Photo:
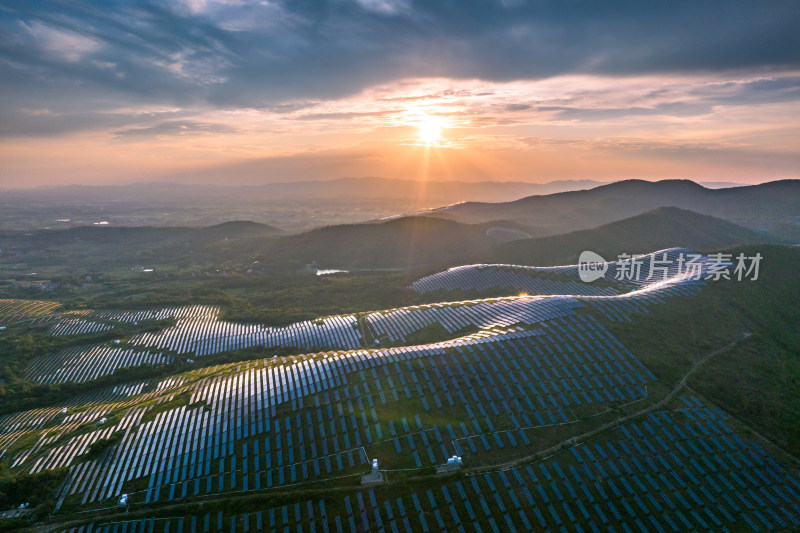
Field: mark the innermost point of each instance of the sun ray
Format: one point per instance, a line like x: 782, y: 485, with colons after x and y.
x: 430, y: 130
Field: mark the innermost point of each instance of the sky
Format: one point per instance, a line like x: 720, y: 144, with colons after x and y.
x: 248, y: 92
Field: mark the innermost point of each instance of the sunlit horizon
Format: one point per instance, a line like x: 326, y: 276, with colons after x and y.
x: 91, y: 99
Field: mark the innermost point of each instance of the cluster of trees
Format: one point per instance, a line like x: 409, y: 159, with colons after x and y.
x: 97, y: 448
x: 282, y: 300
x: 36, y: 490
x: 437, y: 333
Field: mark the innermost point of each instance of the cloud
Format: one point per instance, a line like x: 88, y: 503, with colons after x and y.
x: 240, y: 79
x: 384, y: 7
x: 347, y: 115
x: 229, y: 53
x: 67, y: 45
x: 45, y: 122
x: 171, y: 128
x: 673, y: 109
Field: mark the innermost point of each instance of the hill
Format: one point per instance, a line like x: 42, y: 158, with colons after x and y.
x: 237, y: 229
x: 770, y: 207
x: 398, y: 243
x: 757, y: 381
x: 657, y: 229
x: 540, y: 397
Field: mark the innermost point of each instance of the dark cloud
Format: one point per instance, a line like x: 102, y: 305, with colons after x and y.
x: 90, y: 56
x: 780, y: 89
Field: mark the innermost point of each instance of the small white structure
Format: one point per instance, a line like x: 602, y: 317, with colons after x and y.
x: 374, y: 475
x: 116, y: 341
x: 102, y: 421
x: 63, y: 410
x: 123, y: 500
x: 453, y: 463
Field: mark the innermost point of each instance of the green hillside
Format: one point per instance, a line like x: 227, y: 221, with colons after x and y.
x: 655, y: 230
x: 757, y: 380
x: 399, y: 243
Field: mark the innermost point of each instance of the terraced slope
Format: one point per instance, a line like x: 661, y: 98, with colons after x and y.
x: 671, y: 265
x: 679, y: 469
x: 230, y: 406
x: 557, y: 422
x: 12, y: 311
x: 533, y: 280
x: 74, y: 323
x: 198, y: 332
x: 85, y: 363
x: 208, y: 335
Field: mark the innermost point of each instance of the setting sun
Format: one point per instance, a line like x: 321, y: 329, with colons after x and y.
x: 430, y: 130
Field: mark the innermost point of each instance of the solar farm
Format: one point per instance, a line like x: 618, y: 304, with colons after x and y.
x: 559, y: 426
x: 13, y: 310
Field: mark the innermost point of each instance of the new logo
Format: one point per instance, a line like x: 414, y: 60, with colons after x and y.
x: 591, y: 266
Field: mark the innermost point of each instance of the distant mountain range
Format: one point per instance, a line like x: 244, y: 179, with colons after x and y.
x: 409, y: 242
x: 294, y: 207
x: 432, y: 192
x: 291, y: 206
x: 447, y: 192
x: 772, y: 207
x: 655, y: 230
x: 631, y: 216
x: 428, y: 241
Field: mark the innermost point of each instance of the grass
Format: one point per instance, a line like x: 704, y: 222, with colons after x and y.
x: 757, y: 381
